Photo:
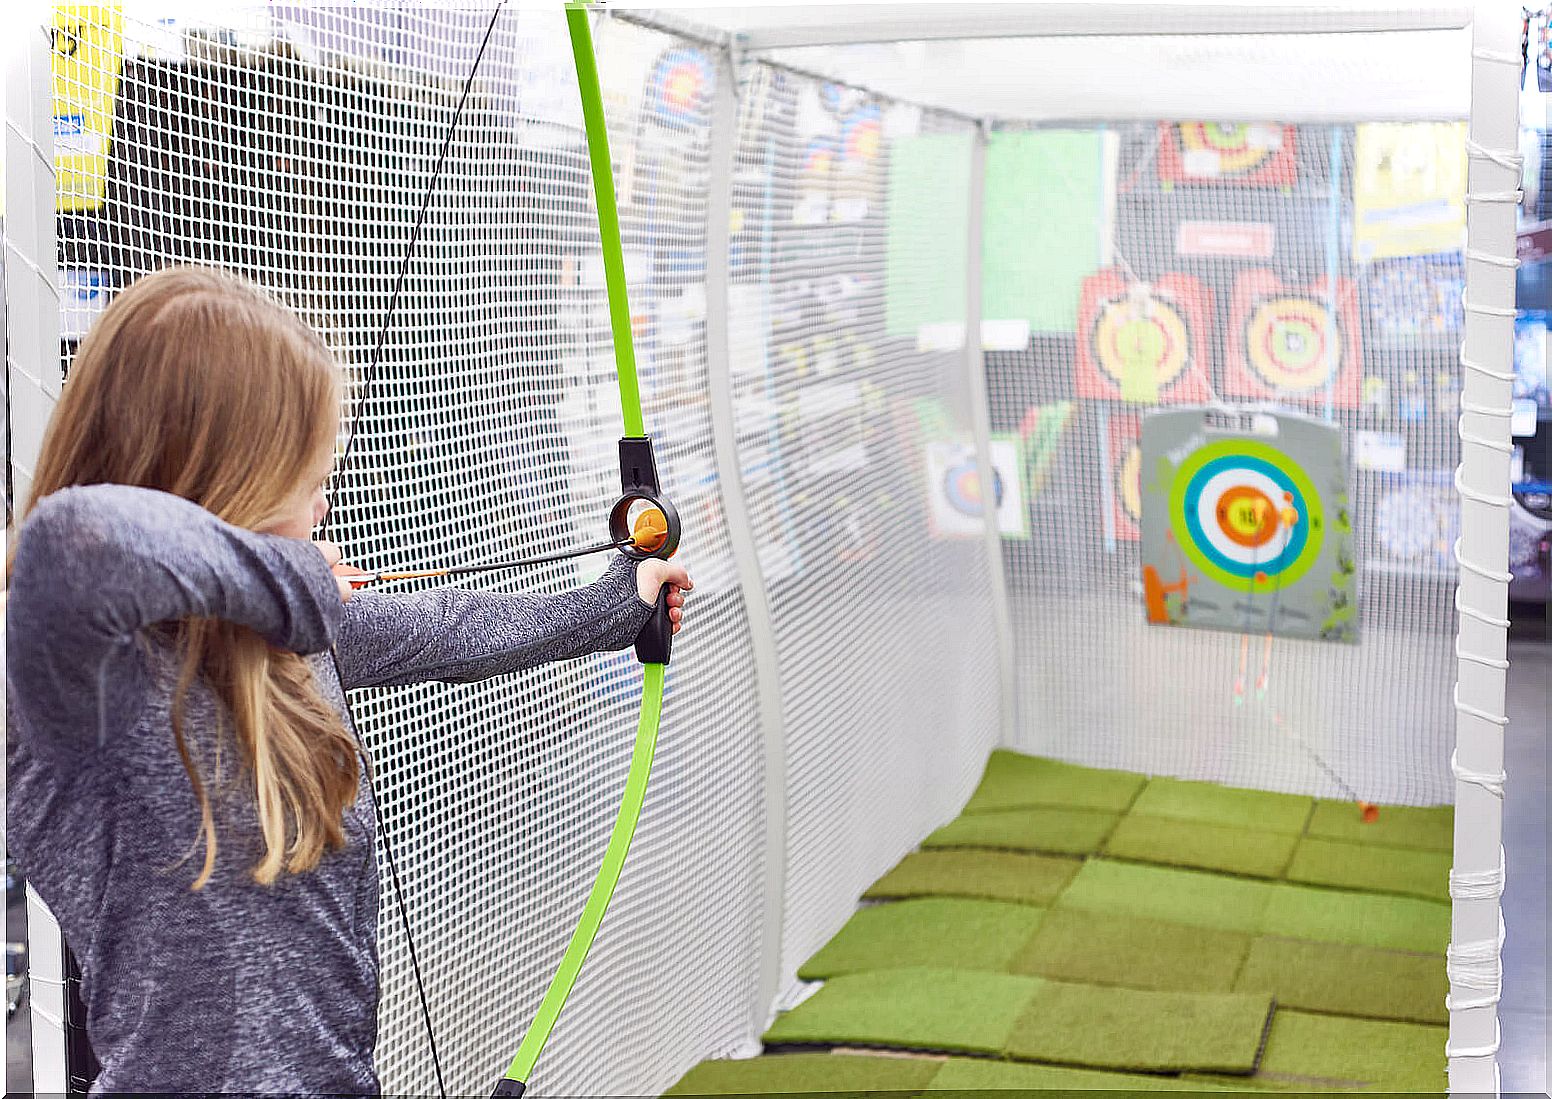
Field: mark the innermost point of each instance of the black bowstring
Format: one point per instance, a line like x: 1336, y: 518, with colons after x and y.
x: 368, y: 382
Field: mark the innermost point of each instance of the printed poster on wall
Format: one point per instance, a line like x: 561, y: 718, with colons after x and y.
x: 88, y: 61
x: 1409, y: 187
x: 957, y: 504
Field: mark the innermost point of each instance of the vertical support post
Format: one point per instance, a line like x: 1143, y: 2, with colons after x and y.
x: 735, y: 507
x: 1476, y: 882
x: 33, y: 382
x: 980, y: 425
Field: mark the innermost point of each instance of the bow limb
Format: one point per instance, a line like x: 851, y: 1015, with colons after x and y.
x: 638, y: 477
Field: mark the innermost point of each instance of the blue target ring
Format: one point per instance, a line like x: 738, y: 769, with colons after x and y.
x: 962, y: 488
x: 1209, y: 545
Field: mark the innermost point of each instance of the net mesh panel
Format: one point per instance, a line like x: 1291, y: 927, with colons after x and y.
x: 887, y: 664
x: 295, y: 148
x: 1097, y: 684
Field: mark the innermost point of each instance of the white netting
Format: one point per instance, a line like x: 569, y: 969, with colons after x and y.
x: 294, y: 143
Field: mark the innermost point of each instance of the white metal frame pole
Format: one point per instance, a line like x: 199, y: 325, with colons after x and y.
x: 980, y: 424
x: 32, y: 387
x: 1476, y: 882
x: 735, y: 508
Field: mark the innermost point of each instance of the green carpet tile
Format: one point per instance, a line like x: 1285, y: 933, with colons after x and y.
x: 1191, y: 897
x: 980, y: 1074
x: 1203, y: 846
x: 930, y: 1009
x: 1357, y: 919
x: 1057, y: 831
x: 1015, y: 781
x: 1372, y: 869
x: 1099, y: 948
x: 807, y: 1073
x: 992, y: 875
x: 1209, y: 803
x: 1425, y: 829
x: 1347, y: 980
x: 938, y: 932
x: 1314, y: 1050
x: 1129, y: 1029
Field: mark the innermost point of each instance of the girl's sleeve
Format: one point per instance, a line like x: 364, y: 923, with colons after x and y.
x: 98, y: 563
x: 459, y: 636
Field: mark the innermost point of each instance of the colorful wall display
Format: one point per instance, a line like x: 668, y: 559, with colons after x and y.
x: 1409, y: 186
x: 1241, y: 154
x: 1285, y: 342
x: 1144, y: 343
x: 679, y: 87
x: 1416, y: 297
x: 88, y: 61
x: 956, y: 499
x: 1246, y: 527
x: 1416, y: 522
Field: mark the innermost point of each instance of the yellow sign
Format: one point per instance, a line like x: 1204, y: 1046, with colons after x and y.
x: 1409, y: 189
x: 88, y: 62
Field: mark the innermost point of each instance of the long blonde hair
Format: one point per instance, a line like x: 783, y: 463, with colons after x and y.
x: 195, y: 383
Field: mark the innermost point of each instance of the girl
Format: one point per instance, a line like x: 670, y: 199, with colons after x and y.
x: 184, y: 790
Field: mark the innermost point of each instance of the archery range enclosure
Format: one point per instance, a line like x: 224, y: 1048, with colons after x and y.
x: 879, y: 258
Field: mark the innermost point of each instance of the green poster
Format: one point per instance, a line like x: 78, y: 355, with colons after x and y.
x: 929, y: 218
x: 1044, y: 201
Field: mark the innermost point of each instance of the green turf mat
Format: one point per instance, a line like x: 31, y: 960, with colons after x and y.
x: 1098, y: 948
x: 1190, y: 897
x: 1347, y: 980
x: 1209, y: 803
x: 993, y: 875
x: 1014, y: 781
x: 1060, y: 831
x: 1204, y: 846
x: 1357, y: 919
x: 1430, y: 829
x: 806, y: 1073
x: 1323, y: 1049
x: 979, y: 1074
x: 1129, y: 1029
x: 945, y: 1009
x: 1372, y: 869
x: 942, y: 932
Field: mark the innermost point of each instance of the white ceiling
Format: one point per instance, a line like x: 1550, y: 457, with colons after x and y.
x: 1094, y: 61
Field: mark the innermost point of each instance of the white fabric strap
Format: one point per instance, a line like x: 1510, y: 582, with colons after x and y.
x: 1489, y: 257
x: 1480, y: 497
x: 1452, y: 1050
x: 1496, y: 375
x: 1493, y: 784
x: 1503, y: 57
x: 1501, y: 720
x: 1504, y: 158
x: 1478, y: 967
x: 1485, y: 886
x: 1481, y: 616
x: 1502, y: 411
x: 1488, y: 197
x: 1487, y: 310
x: 1485, y: 574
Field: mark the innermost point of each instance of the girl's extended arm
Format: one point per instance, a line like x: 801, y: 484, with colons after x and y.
x: 95, y: 564
x: 458, y: 636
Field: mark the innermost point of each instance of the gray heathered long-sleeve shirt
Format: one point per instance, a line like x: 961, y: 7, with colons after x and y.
x: 239, y: 986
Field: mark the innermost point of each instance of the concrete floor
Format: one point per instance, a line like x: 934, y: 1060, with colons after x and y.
x: 1523, y: 1013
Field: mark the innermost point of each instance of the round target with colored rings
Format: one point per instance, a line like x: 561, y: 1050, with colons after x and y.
x: 680, y: 85
x: 1230, y: 144
x: 1129, y: 483
x: 962, y: 488
x: 1126, y: 339
x: 1287, y: 343
x: 1246, y: 515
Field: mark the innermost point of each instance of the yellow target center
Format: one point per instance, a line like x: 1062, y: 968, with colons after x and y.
x: 1247, y: 517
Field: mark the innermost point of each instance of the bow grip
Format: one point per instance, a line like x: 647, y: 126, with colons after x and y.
x: 655, y: 642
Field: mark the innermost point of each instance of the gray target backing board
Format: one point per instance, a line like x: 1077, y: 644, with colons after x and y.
x: 1246, y: 524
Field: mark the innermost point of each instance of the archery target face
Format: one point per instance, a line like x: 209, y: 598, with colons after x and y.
x: 1246, y: 515
x: 1129, y: 483
x: 1218, y: 149
x: 1148, y: 339
x: 1288, y: 343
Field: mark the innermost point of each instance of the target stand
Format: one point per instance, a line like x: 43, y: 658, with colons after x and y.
x: 1246, y: 526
